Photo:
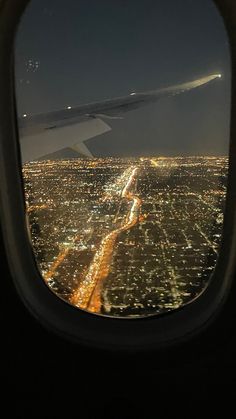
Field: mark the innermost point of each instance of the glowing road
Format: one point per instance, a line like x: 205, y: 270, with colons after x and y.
x: 88, y: 294
x: 60, y: 258
x: 36, y: 207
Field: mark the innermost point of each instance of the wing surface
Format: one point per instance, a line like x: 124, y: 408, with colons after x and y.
x: 43, y: 134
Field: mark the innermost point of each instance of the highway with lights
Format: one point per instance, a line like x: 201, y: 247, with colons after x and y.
x: 88, y: 294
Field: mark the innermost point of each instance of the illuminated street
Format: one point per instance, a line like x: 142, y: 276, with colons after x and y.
x: 88, y: 295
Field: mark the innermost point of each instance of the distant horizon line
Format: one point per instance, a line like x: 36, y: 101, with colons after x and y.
x: 131, y: 157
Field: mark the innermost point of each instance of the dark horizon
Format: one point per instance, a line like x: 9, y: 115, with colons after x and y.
x: 67, y: 156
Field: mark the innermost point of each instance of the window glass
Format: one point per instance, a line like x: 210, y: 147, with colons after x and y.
x: 123, y: 114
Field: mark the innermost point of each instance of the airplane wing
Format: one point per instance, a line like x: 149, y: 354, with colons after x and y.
x: 43, y: 134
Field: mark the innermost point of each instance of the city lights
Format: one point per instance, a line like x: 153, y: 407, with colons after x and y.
x: 126, y: 237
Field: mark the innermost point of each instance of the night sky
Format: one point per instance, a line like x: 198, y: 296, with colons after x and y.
x: 77, y: 51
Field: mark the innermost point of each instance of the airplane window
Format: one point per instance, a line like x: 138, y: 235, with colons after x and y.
x: 123, y: 115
